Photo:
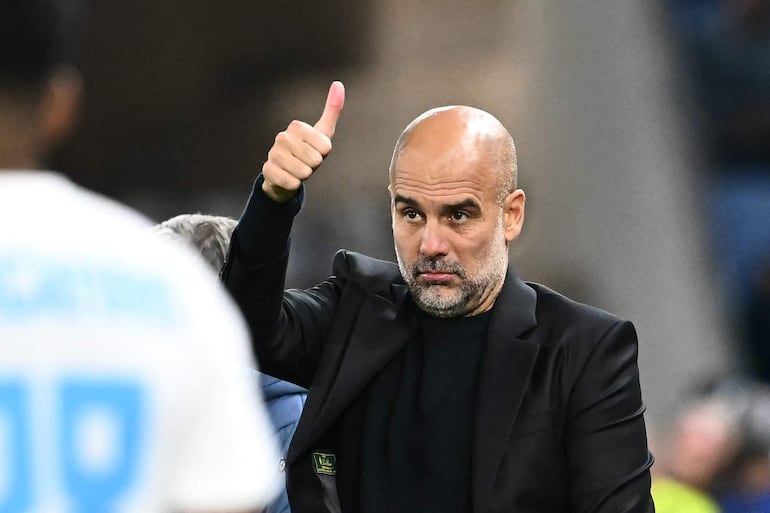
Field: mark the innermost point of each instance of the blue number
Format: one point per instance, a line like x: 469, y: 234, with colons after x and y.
x: 14, y: 402
x: 95, y: 490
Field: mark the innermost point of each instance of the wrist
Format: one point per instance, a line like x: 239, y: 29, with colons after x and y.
x: 277, y: 194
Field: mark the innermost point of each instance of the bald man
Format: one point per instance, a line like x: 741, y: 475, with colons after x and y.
x: 443, y: 383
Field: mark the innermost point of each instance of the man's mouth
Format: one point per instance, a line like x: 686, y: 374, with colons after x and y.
x: 434, y: 277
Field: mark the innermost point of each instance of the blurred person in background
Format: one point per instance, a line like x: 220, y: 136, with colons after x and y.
x: 717, y: 457
x: 690, y: 460
x: 744, y: 486
x: 122, y: 383
x: 210, y: 235
x: 442, y: 383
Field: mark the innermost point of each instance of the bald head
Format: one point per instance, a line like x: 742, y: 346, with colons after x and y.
x: 445, y: 131
x: 455, y: 209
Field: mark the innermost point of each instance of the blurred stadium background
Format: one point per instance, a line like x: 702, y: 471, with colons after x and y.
x: 629, y: 206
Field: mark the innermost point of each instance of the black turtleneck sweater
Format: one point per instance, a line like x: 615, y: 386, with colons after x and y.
x: 418, y: 425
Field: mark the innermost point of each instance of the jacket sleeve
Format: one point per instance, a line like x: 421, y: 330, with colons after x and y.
x: 605, y: 434
x: 287, y: 327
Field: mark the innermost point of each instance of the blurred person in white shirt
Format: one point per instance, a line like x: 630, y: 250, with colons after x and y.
x: 123, y: 370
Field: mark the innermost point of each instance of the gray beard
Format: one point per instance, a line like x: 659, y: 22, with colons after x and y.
x: 473, y: 290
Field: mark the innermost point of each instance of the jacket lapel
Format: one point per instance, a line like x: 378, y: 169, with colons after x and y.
x: 503, y: 379
x: 381, y: 329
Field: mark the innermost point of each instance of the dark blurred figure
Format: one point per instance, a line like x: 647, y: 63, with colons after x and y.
x: 39, y: 88
x: 211, y: 236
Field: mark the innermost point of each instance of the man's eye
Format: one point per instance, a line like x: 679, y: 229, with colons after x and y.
x: 412, y: 215
x: 459, y: 216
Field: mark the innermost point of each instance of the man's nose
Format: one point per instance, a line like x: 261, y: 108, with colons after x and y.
x: 433, y: 243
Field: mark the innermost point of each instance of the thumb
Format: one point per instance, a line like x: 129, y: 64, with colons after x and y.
x: 334, y: 103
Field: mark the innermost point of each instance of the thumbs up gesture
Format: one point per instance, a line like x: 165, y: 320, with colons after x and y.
x: 300, y: 149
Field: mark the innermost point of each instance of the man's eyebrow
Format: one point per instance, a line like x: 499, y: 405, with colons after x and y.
x: 403, y: 199
x: 469, y: 204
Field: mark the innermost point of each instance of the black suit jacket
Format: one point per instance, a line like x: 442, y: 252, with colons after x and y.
x: 558, y: 425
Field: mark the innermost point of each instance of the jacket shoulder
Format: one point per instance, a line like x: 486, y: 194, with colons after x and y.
x: 369, y: 273
x: 555, y: 307
x: 579, y: 332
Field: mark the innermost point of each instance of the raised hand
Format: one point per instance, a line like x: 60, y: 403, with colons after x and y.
x: 300, y: 149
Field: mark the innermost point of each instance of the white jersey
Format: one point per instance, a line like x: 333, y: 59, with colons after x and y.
x: 124, y: 367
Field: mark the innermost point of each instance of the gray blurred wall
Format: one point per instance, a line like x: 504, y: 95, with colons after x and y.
x: 618, y: 204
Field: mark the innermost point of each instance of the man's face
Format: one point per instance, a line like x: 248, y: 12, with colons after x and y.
x: 451, y: 235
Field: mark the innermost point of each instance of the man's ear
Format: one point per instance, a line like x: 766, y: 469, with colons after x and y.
x: 60, y: 107
x: 513, y: 214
